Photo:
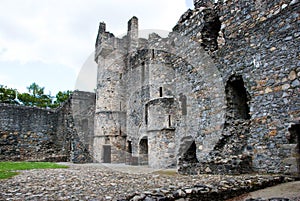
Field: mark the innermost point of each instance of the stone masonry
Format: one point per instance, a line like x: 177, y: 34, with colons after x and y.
x: 220, y: 94
x: 35, y: 134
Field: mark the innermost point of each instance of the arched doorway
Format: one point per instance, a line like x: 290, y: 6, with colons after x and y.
x: 143, y: 151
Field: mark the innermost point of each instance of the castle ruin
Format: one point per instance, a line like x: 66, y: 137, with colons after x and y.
x: 220, y: 94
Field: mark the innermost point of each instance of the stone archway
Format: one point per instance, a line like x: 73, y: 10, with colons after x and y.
x: 143, y: 151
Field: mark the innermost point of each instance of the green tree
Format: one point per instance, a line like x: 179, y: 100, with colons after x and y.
x: 36, y: 90
x: 7, y: 95
x: 26, y: 99
x: 61, y: 97
x: 34, y: 97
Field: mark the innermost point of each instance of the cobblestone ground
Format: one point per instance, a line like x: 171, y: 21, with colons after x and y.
x: 113, y: 182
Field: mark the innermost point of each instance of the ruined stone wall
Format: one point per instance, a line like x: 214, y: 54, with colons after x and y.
x: 258, y: 42
x: 262, y: 45
x: 83, y: 111
x: 232, y: 71
x: 35, y: 134
x: 29, y: 133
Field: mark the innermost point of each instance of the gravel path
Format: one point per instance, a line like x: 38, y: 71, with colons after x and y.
x: 112, y: 182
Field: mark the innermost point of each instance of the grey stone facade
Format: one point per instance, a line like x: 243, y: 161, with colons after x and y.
x: 220, y: 94
x: 35, y: 134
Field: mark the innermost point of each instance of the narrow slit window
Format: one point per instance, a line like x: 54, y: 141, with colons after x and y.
x: 152, y: 52
x: 160, y: 92
x: 170, y: 123
x: 143, y: 72
x: 146, y: 115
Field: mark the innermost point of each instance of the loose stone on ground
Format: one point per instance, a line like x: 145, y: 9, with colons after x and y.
x: 112, y: 182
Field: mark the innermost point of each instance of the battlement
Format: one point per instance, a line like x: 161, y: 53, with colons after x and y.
x: 106, y: 42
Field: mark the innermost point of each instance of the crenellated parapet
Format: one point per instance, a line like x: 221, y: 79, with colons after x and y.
x: 106, y: 42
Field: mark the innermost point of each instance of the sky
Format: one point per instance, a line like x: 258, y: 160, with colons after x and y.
x: 51, y: 42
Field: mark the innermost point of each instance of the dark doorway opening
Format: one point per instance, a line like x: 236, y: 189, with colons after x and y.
x: 190, y: 155
x: 106, y: 154
x: 237, y: 99
x: 129, y: 153
x: 143, y: 151
x: 295, y: 139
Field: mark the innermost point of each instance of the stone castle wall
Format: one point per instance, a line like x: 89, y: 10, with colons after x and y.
x: 258, y: 41
x: 29, y: 133
x: 232, y: 71
x: 35, y: 134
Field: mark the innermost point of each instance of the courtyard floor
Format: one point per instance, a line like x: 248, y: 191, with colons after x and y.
x: 121, y: 182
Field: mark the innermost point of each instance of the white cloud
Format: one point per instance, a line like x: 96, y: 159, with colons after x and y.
x: 63, y: 32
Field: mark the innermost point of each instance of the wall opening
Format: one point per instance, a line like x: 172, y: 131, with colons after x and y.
x: 190, y: 155
x: 295, y: 139
x: 210, y: 31
x: 120, y: 131
x: 160, y: 91
x: 143, y: 151
x: 237, y: 99
x: 182, y: 99
x: 107, y: 140
x: 146, y: 115
x: 106, y: 154
x: 169, y: 121
x: 128, y: 157
x: 294, y: 134
x: 142, y: 72
x: 129, y: 147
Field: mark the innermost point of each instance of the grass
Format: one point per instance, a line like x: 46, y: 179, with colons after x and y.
x: 167, y: 172
x: 7, y: 174
x: 7, y: 169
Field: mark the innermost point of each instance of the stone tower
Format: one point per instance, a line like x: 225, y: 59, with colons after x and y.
x: 109, y: 114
